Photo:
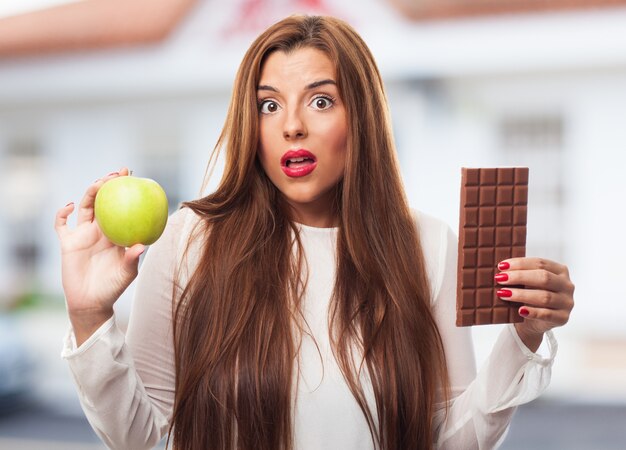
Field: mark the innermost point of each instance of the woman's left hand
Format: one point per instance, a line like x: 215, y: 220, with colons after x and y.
x: 547, y: 296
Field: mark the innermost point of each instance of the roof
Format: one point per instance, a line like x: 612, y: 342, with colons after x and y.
x: 90, y: 24
x: 446, y: 9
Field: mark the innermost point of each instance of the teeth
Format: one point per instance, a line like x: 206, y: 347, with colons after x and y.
x: 297, y: 160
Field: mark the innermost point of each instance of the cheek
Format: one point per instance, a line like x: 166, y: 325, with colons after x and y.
x: 336, y: 134
x: 270, y: 135
x: 337, y: 150
x: 341, y: 150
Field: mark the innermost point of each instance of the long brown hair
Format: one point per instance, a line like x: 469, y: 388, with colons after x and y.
x: 234, y: 333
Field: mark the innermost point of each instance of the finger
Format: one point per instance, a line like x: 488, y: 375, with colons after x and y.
x: 130, y: 264
x: 533, y: 263
x: 85, y: 208
x: 536, y: 278
x: 555, y: 317
x: 537, y: 298
x: 60, y: 220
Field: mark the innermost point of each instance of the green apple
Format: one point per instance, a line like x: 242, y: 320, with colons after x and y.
x: 131, y: 210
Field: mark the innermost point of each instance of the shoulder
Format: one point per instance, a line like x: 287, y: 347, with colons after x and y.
x: 179, y: 231
x: 438, y: 243
x: 433, y: 233
x: 427, y: 225
x: 182, y: 223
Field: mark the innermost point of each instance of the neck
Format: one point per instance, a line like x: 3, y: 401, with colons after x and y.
x: 315, y: 215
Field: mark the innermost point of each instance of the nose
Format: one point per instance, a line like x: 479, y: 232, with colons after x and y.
x: 294, y: 126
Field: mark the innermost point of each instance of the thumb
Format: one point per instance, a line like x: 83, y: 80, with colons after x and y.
x: 131, y: 259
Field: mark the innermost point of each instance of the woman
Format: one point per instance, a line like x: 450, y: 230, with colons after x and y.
x: 302, y: 304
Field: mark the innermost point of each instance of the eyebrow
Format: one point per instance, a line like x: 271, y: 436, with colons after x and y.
x: 315, y: 84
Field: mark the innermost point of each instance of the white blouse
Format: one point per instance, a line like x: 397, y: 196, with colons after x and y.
x: 126, y: 382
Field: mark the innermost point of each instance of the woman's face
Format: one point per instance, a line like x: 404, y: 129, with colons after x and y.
x: 303, y: 131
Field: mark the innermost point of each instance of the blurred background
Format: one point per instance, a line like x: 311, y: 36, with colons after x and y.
x: 88, y: 87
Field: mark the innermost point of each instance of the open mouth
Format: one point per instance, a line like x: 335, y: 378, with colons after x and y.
x: 298, y: 163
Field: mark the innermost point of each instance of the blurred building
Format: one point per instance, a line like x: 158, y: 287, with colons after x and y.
x: 91, y: 86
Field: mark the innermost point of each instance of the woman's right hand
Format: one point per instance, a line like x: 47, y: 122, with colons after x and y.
x: 95, y: 272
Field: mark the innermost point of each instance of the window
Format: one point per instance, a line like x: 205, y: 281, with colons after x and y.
x: 537, y: 141
x: 23, y: 190
x: 159, y: 153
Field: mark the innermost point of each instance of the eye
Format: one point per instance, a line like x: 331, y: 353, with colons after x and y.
x: 268, y: 106
x: 322, y: 102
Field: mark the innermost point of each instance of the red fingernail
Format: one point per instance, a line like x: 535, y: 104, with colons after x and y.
x: 524, y: 312
x: 501, y: 277
x: 504, y: 265
x: 505, y: 293
x: 70, y: 203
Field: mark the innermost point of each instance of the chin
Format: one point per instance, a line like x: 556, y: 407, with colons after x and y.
x: 300, y: 196
x: 301, y: 199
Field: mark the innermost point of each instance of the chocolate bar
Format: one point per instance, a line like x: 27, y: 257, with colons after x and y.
x: 492, y: 227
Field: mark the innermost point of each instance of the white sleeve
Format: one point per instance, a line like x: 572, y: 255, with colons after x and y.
x: 126, y: 383
x: 481, y: 405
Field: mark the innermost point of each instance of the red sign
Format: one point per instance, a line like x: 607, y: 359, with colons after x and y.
x: 256, y: 15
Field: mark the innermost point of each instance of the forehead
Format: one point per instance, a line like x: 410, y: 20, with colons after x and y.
x: 304, y: 64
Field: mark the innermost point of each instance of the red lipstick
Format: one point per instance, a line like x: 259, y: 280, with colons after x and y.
x: 298, y: 163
